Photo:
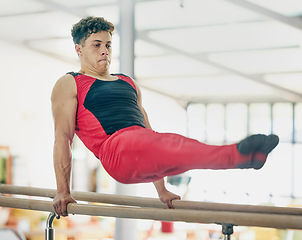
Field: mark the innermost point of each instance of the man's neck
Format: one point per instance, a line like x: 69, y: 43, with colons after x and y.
x: 104, y: 76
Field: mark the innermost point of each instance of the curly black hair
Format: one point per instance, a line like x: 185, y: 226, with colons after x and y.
x: 86, y: 26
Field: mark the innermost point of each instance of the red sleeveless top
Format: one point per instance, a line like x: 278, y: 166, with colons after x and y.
x: 104, y: 107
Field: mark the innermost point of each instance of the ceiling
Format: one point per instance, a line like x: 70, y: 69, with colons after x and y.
x: 190, y: 50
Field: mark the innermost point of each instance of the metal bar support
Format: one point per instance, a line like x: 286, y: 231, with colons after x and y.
x: 49, y: 230
x: 227, y: 230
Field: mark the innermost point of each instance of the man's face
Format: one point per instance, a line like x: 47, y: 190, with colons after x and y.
x: 96, y: 52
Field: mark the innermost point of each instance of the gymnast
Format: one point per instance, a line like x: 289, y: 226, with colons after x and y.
x: 105, y: 111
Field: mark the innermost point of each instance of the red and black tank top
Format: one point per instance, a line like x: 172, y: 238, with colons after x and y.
x: 105, y: 107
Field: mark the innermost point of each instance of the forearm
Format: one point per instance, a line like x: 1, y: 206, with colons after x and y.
x: 164, y: 195
x: 160, y: 186
x: 62, y: 164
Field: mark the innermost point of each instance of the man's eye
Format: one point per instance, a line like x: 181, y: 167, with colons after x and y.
x: 96, y: 45
x: 108, y: 46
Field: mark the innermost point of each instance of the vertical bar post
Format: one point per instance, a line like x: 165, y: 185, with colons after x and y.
x: 227, y: 230
x: 49, y: 230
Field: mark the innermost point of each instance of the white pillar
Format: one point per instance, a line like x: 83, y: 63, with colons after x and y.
x: 126, y: 229
x: 127, y: 37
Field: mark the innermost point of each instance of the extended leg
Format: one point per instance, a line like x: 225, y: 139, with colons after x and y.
x: 142, y: 155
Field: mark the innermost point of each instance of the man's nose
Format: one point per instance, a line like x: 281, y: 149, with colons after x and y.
x: 104, y: 51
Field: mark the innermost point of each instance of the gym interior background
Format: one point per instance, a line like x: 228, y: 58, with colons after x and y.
x: 214, y: 70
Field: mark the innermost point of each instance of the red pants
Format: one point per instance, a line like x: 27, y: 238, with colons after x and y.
x: 136, y: 155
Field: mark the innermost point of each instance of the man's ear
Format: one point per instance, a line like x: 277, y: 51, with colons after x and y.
x: 78, y: 49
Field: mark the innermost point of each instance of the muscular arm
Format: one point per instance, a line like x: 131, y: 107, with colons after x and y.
x: 64, y: 104
x: 140, y: 105
x: 164, y: 195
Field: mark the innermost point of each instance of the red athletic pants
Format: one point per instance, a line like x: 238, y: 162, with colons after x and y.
x: 136, y: 155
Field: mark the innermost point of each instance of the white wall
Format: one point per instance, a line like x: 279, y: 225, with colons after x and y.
x: 26, y: 125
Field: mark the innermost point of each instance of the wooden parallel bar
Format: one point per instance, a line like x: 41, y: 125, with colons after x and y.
x: 151, y: 202
x: 183, y: 215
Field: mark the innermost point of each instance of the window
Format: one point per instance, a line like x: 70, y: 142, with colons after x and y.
x: 236, y: 122
x: 196, y: 121
x: 229, y: 123
x: 215, y: 123
x: 283, y: 121
x: 260, y: 118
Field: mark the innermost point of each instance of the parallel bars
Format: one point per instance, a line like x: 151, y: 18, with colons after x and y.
x: 151, y: 208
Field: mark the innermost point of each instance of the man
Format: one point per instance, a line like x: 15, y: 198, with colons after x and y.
x: 105, y: 111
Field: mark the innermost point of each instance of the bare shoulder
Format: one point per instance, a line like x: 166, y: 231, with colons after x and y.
x: 134, y: 81
x: 66, y: 80
x: 136, y: 85
x: 65, y: 86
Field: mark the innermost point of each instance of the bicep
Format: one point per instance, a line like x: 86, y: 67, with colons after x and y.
x: 139, y: 96
x: 64, y: 105
x: 140, y: 105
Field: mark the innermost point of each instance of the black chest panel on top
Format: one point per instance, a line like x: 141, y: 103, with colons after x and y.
x: 114, y: 104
